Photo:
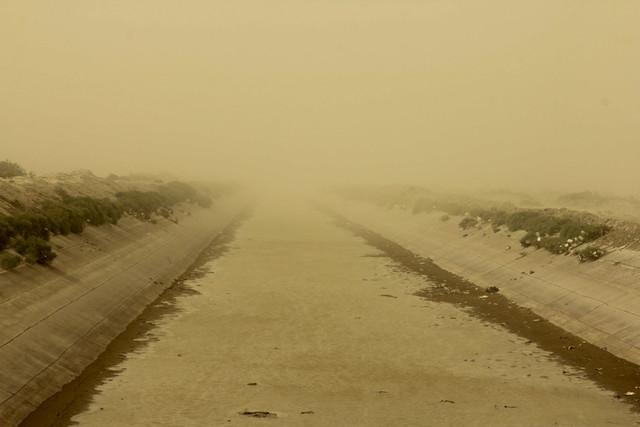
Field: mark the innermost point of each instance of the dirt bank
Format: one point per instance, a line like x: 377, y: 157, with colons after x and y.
x: 56, y: 320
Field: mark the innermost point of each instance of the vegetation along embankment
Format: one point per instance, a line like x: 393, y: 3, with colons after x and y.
x: 28, y: 233
x: 557, y: 235
x: 119, y: 243
x: 557, y: 230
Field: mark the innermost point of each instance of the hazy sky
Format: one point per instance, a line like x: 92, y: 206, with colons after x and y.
x: 497, y: 93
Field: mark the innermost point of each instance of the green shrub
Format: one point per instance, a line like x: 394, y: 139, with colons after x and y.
x: 61, y: 218
x: 571, y: 230
x: 494, y: 215
x: 468, y: 223
x: 542, y: 229
x: 555, y: 245
x: 6, y: 232
x: 34, y: 250
x: 518, y: 220
x: 31, y: 224
x: 72, y: 214
x: 588, y: 232
x: 178, y: 192
x: 544, y: 224
x: 591, y: 253
x: 145, y: 203
x: 140, y: 203
x: 64, y: 196
x: 529, y: 239
x: 9, y: 169
x: 10, y: 262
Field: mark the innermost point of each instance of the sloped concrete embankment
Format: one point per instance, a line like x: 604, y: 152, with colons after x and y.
x: 56, y: 320
x: 598, y: 301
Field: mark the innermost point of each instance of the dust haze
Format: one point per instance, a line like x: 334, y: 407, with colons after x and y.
x: 495, y: 94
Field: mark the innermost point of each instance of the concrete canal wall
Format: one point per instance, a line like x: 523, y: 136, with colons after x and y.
x: 598, y: 301
x: 56, y: 320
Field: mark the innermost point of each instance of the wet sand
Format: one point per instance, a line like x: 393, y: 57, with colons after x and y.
x: 304, y: 323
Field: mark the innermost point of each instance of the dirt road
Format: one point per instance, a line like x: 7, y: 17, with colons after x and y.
x: 302, y: 323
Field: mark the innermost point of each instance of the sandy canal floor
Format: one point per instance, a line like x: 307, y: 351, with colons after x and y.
x: 303, y: 320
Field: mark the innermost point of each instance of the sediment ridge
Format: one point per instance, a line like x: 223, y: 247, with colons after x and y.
x: 58, y: 319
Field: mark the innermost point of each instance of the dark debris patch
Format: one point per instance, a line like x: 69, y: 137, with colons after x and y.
x: 259, y: 414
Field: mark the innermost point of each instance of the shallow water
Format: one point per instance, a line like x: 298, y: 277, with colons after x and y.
x: 303, y: 320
